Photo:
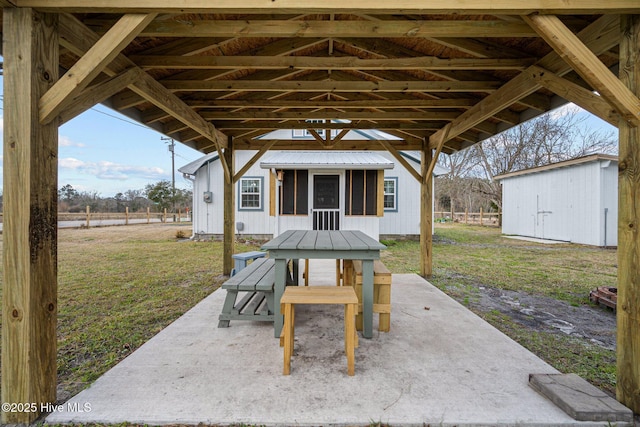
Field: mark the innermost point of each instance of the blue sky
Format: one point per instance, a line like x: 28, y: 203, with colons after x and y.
x: 105, y: 152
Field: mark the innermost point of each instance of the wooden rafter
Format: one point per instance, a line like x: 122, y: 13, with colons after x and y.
x: 339, y: 6
x: 598, y: 36
x: 400, y: 158
x: 315, y: 63
x: 348, y: 28
x: 580, y: 96
x: 585, y: 63
x: 75, y: 36
x: 98, y: 93
x: 361, y: 114
x: 362, y: 125
x: 252, y: 161
x: 330, y: 86
x: 91, y: 64
x: 339, y: 104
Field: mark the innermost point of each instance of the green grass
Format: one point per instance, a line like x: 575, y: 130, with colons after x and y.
x: 466, y: 257
x: 119, y: 286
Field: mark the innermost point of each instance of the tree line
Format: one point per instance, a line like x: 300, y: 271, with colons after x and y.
x: 157, y: 196
x: 550, y: 138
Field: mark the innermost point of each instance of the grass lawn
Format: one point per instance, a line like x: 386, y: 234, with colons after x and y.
x: 119, y: 286
x: 468, y: 257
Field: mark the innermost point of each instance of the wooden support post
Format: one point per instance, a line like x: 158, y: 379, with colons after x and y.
x: 164, y: 216
x: 426, y: 214
x: 148, y: 215
x: 88, y: 216
x: 229, y: 210
x: 466, y: 215
x: 126, y: 215
x: 628, y: 312
x: 481, y: 212
x: 30, y: 230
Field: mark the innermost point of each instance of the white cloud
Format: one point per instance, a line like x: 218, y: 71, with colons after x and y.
x: 112, y: 171
x: 64, y: 141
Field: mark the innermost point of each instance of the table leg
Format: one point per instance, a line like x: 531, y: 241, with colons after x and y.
x: 280, y: 283
x: 296, y: 271
x: 288, y: 338
x: 367, y: 298
x: 350, y: 337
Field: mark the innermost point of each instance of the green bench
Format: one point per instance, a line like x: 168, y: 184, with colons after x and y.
x: 256, y: 282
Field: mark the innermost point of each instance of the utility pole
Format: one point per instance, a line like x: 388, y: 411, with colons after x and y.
x: 172, y: 146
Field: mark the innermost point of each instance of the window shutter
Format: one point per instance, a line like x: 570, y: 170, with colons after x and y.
x: 272, y: 194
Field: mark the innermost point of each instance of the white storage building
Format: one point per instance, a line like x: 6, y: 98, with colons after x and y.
x: 573, y: 201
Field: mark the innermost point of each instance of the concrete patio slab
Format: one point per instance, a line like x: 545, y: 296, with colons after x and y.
x: 439, y: 365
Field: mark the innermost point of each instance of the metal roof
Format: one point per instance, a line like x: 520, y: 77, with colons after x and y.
x: 326, y: 160
x: 192, y: 168
x: 563, y: 164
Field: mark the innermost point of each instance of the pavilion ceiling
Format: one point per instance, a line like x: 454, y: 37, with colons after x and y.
x: 452, y: 76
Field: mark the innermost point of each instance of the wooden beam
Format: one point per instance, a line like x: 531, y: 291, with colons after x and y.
x: 426, y: 214
x: 253, y: 161
x: 30, y: 286
x: 91, y: 64
x: 347, y: 28
x: 628, y: 312
x: 229, y: 210
x: 98, y: 93
x: 599, y: 36
x: 576, y: 94
x: 400, y: 158
x: 588, y: 65
x: 330, y: 86
x: 323, y: 63
x: 251, y: 114
x: 439, y: 144
x: 312, y: 144
x: 340, y: 104
x: 362, y: 125
x: 403, y: 7
x: 147, y: 87
x: 76, y: 37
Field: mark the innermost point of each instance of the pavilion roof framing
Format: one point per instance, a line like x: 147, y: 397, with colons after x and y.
x: 482, y: 68
x: 438, y: 75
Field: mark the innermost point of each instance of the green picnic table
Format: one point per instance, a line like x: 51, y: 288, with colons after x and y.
x: 325, y: 244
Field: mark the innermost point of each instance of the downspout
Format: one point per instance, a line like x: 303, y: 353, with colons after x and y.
x: 193, y: 214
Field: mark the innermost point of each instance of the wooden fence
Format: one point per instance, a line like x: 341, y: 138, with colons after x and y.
x: 139, y: 217
x: 480, y: 218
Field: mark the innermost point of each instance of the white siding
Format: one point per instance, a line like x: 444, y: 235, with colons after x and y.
x: 406, y: 220
x: 565, y: 204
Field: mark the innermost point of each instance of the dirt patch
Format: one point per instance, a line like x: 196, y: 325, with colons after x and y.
x: 594, y: 324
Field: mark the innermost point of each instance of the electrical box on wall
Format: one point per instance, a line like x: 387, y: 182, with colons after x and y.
x: 208, y: 197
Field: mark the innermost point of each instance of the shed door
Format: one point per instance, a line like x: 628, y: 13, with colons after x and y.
x: 326, y: 202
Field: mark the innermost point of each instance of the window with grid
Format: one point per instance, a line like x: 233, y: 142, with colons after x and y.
x: 390, y: 194
x: 250, y: 197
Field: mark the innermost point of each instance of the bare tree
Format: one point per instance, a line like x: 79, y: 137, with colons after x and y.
x: 549, y: 138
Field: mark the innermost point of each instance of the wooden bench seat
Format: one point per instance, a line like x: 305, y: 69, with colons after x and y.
x: 381, y: 291
x: 256, y: 281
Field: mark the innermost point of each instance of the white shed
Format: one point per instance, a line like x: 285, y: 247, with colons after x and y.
x: 573, y: 201
x: 368, y: 191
